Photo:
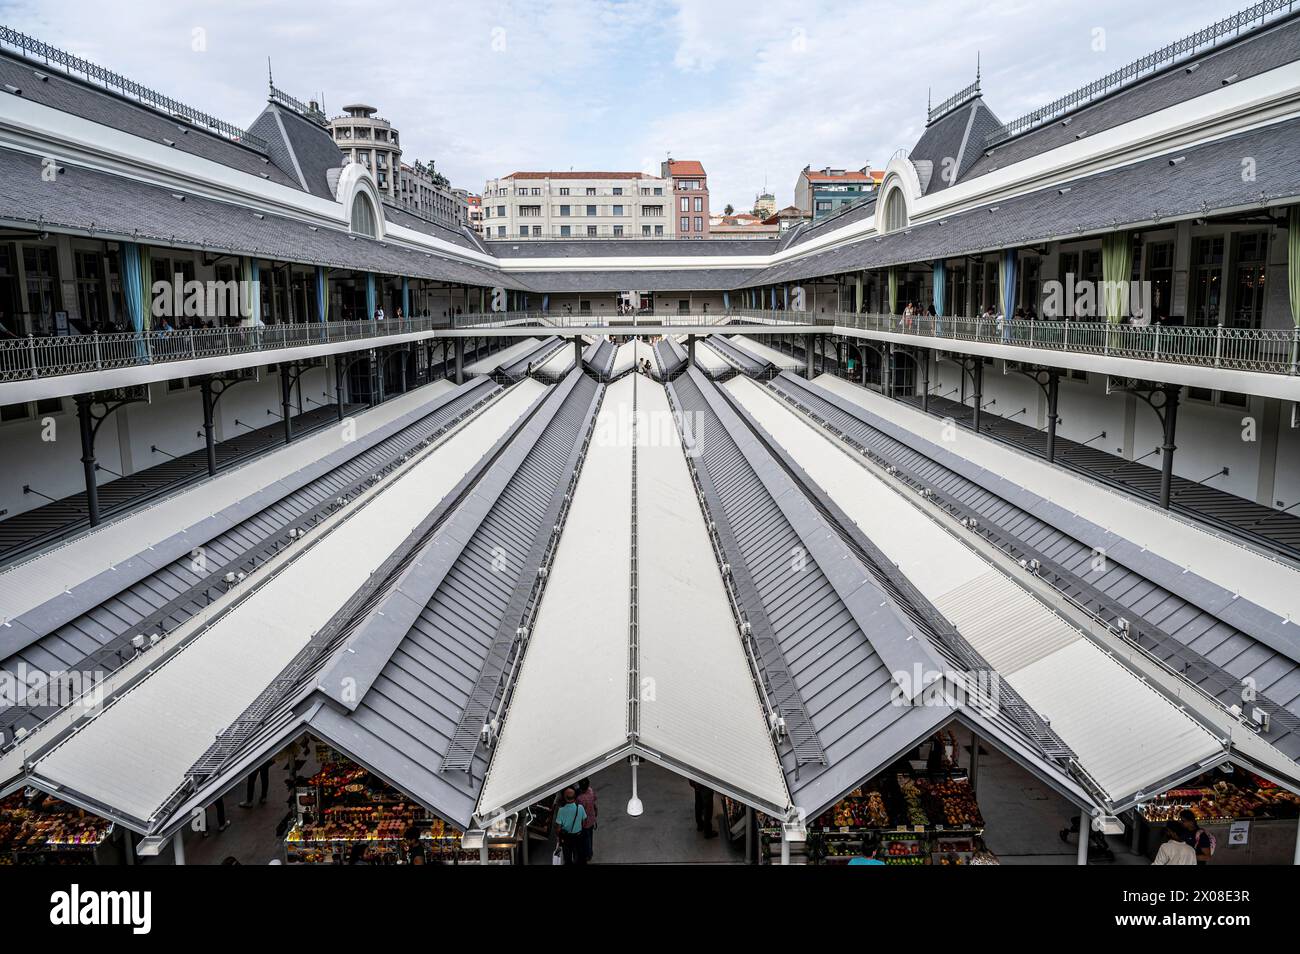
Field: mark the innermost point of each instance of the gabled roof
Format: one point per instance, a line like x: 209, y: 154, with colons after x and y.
x: 685, y: 167
x: 951, y: 144
x: 299, y: 148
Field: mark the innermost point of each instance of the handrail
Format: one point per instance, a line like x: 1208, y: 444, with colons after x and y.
x: 1265, y: 350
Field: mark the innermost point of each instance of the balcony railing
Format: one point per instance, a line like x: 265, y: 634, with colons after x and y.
x: 1271, y: 351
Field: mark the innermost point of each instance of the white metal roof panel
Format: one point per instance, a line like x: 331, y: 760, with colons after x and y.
x: 569, y: 705
x: 27, y: 585
x: 624, y: 358
x: 1127, y: 735
x: 504, y: 356
x: 704, y: 709
x: 1255, y: 576
x: 708, y: 359
x: 134, y: 754
x: 763, y: 352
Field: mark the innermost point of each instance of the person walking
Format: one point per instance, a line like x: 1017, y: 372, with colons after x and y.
x: 263, y: 773
x: 1174, y: 850
x: 568, y: 825
x: 587, y: 799
x: 1197, y: 838
x: 704, y: 810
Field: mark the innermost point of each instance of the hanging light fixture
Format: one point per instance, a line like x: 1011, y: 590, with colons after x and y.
x: 634, y: 806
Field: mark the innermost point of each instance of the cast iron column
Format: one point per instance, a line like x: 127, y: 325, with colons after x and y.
x: 286, y: 386
x: 808, y: 356
x: 338, y: 384
x: 977, y: 379
x: 690, y: 351
x: 925, y: 380
x: 88, y: 457
x: 1053, y: 401
x: 1172, y: 392
x: 205, y: 388
x: 460, y: 360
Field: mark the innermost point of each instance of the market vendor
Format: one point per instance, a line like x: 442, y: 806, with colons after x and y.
x: 1201, y: 841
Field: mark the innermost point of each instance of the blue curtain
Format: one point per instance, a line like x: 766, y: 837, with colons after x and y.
x: 1009, y: 282
x: 322, y: 295
x: 546, y: 303
x: 370, y: 296
x: 787, y: 298
x: 940, y: 285
x: 774, y: 298
x: 132, y: 289
x: 406, y: 298
x: 726, y: 300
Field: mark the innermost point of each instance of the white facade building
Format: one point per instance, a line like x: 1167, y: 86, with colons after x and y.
x: 551, y: 205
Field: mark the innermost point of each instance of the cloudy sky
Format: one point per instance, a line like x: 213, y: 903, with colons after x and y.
x: 756, y: 89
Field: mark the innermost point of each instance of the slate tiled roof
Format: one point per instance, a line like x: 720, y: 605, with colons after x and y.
x: 109, y: 206
x: 682, y: 279
x: 1254, y: 53
x: 636, y: 248
x: 300, y: 147
x: 70, y: 95
x: 1208, y: 178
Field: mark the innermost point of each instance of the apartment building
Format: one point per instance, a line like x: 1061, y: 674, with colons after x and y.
x: 690, y: 197
x: 821, y: 192
x: 591, y: 205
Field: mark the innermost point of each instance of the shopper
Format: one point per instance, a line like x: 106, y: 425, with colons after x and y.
x: 263, y: 773
x: 704, y: 810
x: 587, y: 799
x: 1200, y: 840
x: 870, y: 856
x: 1175, y: 851
x: 568, y: 825
x: 222, y: 822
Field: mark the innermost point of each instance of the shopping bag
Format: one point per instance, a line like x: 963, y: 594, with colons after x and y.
x: 557, y: 856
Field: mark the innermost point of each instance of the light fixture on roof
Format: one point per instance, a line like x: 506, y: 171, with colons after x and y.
x: 634, y: 806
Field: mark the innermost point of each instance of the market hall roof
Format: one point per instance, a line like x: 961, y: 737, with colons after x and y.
x: 1181, y: 183
x: 98, y: 203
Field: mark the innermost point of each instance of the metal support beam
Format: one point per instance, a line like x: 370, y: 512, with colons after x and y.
x: 460, y: 361
x: 925, y: 384
x: 977, y: 382
x: 577, y: 351
x: 1172, y: 393
x: 974, y: 761
x: 286, y: 400
x: 338, y: 384
x: 1085, y: 835
x: 209, y: 439
x: 178, y: 846
x: 88, y: 456
x: 1053, y: 418
x: 808, y: 356
x: 690, y: 351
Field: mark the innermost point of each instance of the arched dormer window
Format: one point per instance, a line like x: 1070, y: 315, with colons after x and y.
x: 363, y: 216
x: 894, y: 215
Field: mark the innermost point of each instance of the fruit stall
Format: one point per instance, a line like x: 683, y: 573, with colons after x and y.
x: 929, y: 818
x: 346, y: 815
x: 36, y: 829
x: 1252, y: 820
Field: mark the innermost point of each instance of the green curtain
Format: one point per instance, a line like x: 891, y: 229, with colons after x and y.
x: 1116, y: 271
x: 1293, y: 263
x: 146, y: 288
x: 893, y: 291
x: 252, y: 302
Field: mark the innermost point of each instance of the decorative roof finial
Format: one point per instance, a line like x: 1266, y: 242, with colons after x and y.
x: 270, y: 80
x: 977, y: 67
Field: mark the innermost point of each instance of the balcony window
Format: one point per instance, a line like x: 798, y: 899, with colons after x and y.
x: 618, y: 230
x: 591, y: 190
x: 564, y: 190
x: 591, y: 231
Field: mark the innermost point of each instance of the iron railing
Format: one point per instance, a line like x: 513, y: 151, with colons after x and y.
x: 35, y: 49
x: 1267, y: 350
x: 309, y: 110
x: 1165, y: 56
x: 952, y: 102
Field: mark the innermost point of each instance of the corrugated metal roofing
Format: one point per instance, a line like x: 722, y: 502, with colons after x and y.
x: 1143, y: 738
x: 134, y: 755
x: 581, y: 634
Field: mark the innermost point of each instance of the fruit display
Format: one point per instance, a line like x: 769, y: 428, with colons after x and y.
x: 349, y: 816
x: 904, y: 851
x: 36, y: 829
x: 915, y: 812
x: 952, y: 803
x: 1222, y: 801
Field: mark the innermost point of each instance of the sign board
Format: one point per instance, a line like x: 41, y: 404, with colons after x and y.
x: 1239, y: 832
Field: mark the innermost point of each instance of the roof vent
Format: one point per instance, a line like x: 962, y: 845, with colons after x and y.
x: 179, y: 197
x: 1193, y: 68
x: 1177, y: 160
x: 1067, y: 120
x: 10, y: 88
x: 169, y: 142
x: 1063, y: 190
x: 43, y: 77
x: 258, y: 215
x: 1230, y: 79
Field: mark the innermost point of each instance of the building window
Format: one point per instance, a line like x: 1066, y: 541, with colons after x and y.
x: 895, y: 216
x: 41, y: 266
x: 645, y: 230
x: 501, y: 211
x: 618, y: 230
x: 699, y: 204
x: 1160, y: 273
x: 1248, y: 284
x: 659, y: 230
x: 685, y: 224
x: 686, y: 204
x: 565, y: 231
x: 659, y: 190
x: 363, y: 215
x: 530, y: 210
x: 699, y: 223
x: 591, y: 230
x: 501, y: 231
x: 618, y: 210
x: 564, y: 210
x: 1207, y: 280
x: 523, y: 231
x: 537, y: 230
x: 536, y: 191
x: 564, y: 190
x: 618, y: 190
x: 591, y: 190
x: 591, y: 210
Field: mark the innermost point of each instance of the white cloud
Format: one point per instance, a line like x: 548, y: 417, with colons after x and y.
x: 753, y: 90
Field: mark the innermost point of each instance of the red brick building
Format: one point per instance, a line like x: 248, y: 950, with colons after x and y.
x: 690, y: 197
